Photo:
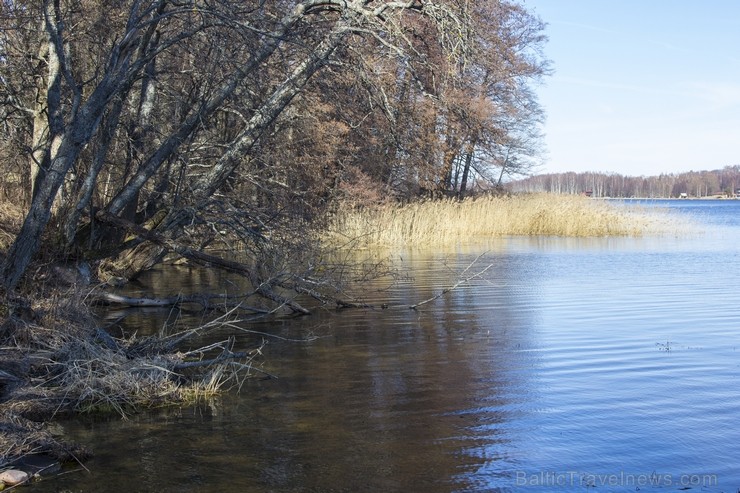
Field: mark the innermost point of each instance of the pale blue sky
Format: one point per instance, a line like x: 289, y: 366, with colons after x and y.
x: 641, y: 87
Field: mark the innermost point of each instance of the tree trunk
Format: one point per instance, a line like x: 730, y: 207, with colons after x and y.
x: 27, y: 242
x: 88, y: 185
x: 75, y: 137
x: 503, y: 169
x: 466, y: 173
x: 450, y: 154
x: 267, y: 113
x: 47, y: 121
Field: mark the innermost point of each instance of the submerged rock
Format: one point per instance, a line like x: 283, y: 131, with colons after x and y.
x: 12, y: 477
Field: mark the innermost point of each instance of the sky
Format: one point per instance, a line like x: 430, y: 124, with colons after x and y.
x: 641, y: 87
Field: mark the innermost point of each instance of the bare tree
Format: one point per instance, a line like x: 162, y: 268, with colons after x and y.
x: 112, y: 136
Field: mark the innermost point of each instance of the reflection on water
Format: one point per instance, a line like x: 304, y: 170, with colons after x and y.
x: 607, y: 363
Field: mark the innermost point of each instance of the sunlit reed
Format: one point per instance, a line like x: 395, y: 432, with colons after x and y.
x: 452, y: 221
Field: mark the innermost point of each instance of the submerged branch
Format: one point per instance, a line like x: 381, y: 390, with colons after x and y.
x: 209, y: 362
x: 460, y: 282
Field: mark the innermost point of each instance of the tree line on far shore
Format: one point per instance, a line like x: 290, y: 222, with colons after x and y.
x: 723, y: 182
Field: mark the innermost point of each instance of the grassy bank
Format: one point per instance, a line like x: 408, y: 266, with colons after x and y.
x: 450, y: 221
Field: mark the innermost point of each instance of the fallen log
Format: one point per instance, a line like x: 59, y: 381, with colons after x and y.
x: 119, y: 299
x: 204, y: 300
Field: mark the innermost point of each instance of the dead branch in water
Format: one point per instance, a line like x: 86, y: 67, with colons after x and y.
x: 460, y: 282
x: 209, y: 362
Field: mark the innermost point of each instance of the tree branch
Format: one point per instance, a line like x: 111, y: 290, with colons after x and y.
x: 456, y: 285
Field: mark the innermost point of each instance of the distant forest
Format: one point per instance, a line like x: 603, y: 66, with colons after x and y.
x: 723, y: 182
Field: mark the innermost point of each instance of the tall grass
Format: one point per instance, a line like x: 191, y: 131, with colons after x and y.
x: 451, y: 221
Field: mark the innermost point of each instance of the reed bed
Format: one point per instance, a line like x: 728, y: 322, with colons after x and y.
x: 451, y: 221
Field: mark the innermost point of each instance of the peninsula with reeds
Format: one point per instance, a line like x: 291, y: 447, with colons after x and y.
x: 439, y: 223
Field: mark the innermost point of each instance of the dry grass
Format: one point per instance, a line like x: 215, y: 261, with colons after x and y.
x: 450, y: 221
x: 86, y: 370
x: 54, y: 362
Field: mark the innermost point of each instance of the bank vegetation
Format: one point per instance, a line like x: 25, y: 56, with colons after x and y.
x: 226, y: 134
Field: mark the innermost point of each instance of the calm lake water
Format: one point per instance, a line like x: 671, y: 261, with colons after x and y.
x: 572, y: 365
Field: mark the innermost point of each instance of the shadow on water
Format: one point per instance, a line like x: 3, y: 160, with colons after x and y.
x: 568, y: 364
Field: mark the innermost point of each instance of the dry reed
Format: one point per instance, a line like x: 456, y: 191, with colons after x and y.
x: 79, y: 369
x: 451, y: 221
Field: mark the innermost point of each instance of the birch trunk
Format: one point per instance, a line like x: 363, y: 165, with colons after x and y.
x: 66, y: 139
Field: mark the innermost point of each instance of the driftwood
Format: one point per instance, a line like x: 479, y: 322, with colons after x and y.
x: 206, y: 301
x: 117, y: 299
x: 208, y: 362
x: 350, y: 304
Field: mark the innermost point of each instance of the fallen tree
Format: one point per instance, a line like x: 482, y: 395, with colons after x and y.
x: 263, y: 287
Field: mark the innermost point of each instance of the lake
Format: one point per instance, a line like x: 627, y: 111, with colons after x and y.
x: 601, y: 364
